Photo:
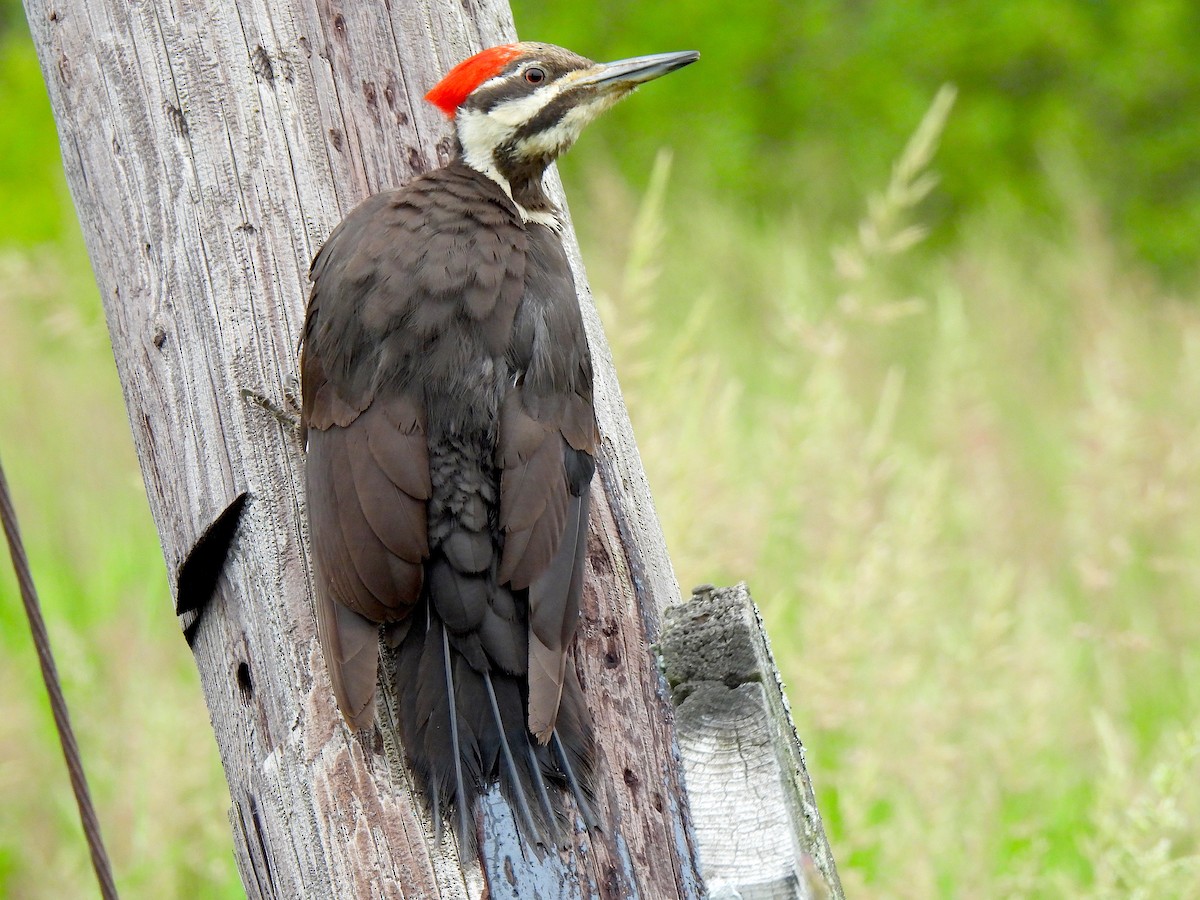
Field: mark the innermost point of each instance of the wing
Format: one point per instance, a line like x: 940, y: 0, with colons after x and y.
x: 367, y: 468
x: 547, y: 444
x: 392, y: 284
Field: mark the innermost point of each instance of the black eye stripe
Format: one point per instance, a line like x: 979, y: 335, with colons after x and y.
x: 511, y: 83
x: 487, y: 99
x: 550, y: 115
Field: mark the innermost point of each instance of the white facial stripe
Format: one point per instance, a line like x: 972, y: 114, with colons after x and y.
x: 479, y: 135
x: 566, y: 131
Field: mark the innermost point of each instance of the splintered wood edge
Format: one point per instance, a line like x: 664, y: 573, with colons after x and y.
x: 758, y: 826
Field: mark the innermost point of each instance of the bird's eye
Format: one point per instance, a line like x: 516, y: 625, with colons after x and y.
x: 534, y: 75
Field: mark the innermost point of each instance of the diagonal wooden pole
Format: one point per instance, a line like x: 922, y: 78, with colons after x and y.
x: 210, y: 147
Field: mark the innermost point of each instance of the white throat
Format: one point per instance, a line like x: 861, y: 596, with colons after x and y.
x: 486, y: 166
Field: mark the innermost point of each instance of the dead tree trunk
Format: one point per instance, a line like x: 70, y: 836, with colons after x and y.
x: 210, y: 147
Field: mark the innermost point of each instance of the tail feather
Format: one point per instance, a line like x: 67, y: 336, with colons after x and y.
x: 463, y: 666
x: 456, y: 753
x: 464, y: 730
x: 548, y: 812
x: 514, y: 777
x: 574, y: 748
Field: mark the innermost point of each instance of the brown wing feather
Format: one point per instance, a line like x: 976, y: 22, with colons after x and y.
x: 360, y: 541
x: 552, y: 624
x: 407, y: 467
x: 533, y: 493
x: 333, y: 559
x: 547, y: 442
x: 349, y: 640
x: 351, y: 647
x: 396, y: 516
x: 367, y: 467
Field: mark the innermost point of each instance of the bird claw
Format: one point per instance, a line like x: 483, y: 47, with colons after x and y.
x: 277, y: 412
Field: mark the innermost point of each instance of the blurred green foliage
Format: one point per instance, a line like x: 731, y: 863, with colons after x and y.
x: 802, y: 104
x: 36, y: 207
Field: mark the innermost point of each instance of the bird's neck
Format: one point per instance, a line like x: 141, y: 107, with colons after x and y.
x: 530, y: 195
x: 521, y: 180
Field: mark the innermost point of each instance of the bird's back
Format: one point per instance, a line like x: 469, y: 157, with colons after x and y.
x: 450, y: 438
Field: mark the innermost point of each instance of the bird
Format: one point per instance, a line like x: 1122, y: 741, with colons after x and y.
x: 450, y: 442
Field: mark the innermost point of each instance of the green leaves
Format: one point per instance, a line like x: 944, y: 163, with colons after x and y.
x: 797, y: 105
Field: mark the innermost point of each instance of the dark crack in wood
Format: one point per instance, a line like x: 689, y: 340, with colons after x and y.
x: 196, y: 580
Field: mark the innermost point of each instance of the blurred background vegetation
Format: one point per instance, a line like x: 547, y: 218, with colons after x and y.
x: 949, y: 432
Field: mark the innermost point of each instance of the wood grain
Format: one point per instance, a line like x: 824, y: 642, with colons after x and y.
x: 759, y: 831
x: 210, y: 147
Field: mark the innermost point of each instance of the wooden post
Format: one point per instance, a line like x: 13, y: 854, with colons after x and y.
x: 210, y: 147
x: 757, y: 824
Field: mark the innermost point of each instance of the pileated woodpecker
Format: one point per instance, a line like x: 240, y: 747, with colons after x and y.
x: 450, y: 437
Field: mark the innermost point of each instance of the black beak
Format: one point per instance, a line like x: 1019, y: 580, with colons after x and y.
x: 639, y: 69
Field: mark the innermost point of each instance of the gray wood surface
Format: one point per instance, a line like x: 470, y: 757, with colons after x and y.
x: 210, y: 147
x: 757, y: 824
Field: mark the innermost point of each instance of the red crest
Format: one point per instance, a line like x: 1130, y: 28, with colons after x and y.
x: 449, y: 93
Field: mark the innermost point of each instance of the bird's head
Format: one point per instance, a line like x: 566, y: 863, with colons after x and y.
x: 517, y: 107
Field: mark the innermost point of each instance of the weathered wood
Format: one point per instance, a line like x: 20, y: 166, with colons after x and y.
x: 756, y: 819
x: 210, y: 147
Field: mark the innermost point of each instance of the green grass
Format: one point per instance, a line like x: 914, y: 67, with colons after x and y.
x: 963, y: 484
x: 962, y: 481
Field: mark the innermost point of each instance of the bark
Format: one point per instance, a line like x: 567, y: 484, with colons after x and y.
x: 210, y: 147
